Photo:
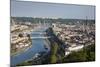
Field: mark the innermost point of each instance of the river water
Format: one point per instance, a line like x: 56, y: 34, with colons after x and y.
x: 37, y: 46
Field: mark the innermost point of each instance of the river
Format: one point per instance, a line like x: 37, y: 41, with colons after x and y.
x: 37, y: 46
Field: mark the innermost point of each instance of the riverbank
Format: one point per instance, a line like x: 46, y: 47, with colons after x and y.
x: 21, y: 51
x: 20, y: 38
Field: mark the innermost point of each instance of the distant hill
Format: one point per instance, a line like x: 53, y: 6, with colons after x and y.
x: 49, y: 20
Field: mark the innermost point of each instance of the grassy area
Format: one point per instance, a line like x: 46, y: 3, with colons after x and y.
x: 24, y: 63
x: 54, y: 53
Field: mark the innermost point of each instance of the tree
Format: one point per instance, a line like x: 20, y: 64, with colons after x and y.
x: 20, y: 35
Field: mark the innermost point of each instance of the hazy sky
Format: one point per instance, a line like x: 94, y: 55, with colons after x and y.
x: 51, y: 10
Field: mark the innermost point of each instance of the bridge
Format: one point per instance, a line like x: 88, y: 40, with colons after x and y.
x: 39, y: 33
x: 43, y: 37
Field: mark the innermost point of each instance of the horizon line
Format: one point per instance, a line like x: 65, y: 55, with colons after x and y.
x: 55, y: 17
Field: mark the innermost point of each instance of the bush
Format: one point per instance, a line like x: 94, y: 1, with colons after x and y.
x: 81, y: 56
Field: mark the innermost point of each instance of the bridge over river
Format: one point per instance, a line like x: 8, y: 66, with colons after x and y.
x: 45, y: 37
